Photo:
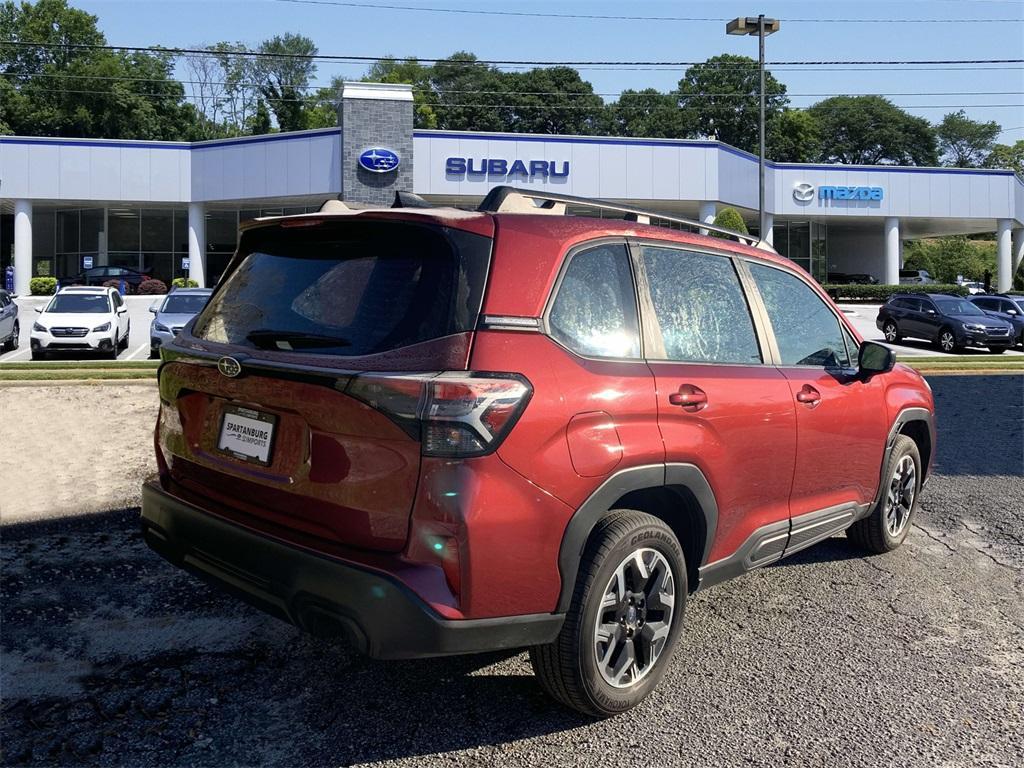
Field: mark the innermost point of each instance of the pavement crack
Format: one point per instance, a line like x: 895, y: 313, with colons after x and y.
x: 933, y: 537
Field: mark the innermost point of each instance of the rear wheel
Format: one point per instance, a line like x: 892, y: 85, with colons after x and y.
x: 947, y: 341
x: 887, y: 525
x: 38, y: 354
x: 997, y: 350
x: 891, y: 332
x: 623, y: 621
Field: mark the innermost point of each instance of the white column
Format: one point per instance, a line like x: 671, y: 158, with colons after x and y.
x: 22, y: 246
x: 197, y: 243
x: 1004, y: 272
x: 769, y: 229
x: 706, y: 215
x: 1016, y: 250
x: 892, y: 251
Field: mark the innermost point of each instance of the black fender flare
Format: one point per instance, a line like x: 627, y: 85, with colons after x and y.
x: 598, y: 504
x: 903, y: 418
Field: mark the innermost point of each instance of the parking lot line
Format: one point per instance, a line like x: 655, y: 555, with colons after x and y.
x: 21, y: 354
x: 141, y: 348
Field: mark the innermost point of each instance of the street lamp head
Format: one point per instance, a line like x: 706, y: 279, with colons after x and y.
x: 748, y: 25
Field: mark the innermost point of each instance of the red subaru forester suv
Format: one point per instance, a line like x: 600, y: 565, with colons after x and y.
x: 434, y: 431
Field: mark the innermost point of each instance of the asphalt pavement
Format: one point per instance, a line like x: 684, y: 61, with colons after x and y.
x: 110, y: 656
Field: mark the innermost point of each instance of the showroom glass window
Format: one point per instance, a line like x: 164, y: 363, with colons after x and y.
x: 806, y: 330
x: 700, y: 307
x: 594, y: 313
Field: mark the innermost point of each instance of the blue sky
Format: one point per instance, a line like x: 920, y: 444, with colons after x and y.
x: 373, y: 32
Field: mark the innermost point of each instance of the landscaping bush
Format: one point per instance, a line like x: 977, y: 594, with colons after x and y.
x: 184, y: 282
x: 151, y: 287
x: 42, y: 286
x: 729, y: 218
x: 881, y: 293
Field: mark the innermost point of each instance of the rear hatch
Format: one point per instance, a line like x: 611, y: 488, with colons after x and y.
x: 294, y: 396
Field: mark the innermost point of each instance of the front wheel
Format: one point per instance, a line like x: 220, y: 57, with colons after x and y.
x: 888, y: 524
x: 947, y: 341
x: 891, y: 332
x: 997, y: 350
x: 623, y: 621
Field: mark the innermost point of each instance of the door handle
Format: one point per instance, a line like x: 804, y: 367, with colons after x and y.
x: 808, y: 395
x: 689, y: 398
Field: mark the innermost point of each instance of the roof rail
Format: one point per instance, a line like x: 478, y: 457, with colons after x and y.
x: 507, y: 199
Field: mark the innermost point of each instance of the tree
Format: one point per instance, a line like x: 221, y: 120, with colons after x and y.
x: 552, y: 100
x: 720, y: 100
x: 965, y: 143
x: 729, y: 218
x: 283, y: 71
x: 794, y: 136
x: 948, y: 258
x: 259, y: 122
x: 241, y: 93
x: 411, y: 72
x: 470, y: 96
x: 1007, y: 156
x: 872, y: 130
x: 646, y: 113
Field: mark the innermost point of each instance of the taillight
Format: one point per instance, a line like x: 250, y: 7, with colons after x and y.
x: 452, y: 413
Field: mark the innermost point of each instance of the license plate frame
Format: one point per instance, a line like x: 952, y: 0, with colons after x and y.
x: 256, y: 418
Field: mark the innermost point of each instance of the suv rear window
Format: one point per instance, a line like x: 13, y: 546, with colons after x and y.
x: 348, y: 288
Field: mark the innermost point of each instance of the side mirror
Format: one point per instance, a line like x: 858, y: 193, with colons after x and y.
x: 153, y: 308
x: 39, y: 310
x: 930, y: 311
x: 875, y: 358
x: 1012, y: 312
x: 122, y: 310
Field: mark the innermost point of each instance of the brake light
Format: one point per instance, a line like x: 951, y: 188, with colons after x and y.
x: 453, y: 414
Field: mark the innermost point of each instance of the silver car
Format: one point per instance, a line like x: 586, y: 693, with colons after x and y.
x: 172, y: 313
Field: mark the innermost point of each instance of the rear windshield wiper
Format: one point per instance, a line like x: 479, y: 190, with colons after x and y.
x: 268, y: 339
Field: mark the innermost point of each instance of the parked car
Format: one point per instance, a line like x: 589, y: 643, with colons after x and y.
x: 172, y: 313
x: 83, y: 319
x: 973, y: 287
x: 859, y: 278
x: 433, y: 431
x: 916, y: 276
x: 950, y: 322
x: 10, y: 329
x: 1009, y: 309
x: 100, y: 275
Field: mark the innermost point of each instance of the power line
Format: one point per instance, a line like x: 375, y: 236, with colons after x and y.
x: 610, y: 17
x: 495, y: 62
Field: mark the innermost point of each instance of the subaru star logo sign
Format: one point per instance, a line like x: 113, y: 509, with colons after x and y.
x: 229, y: 367
x: 379, y: 159
x: 803, y: 192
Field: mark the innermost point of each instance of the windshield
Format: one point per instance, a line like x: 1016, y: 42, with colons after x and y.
x: 352, y: 288
x: 79, y: 303
x: 184, y: 303
x: 957, y: 307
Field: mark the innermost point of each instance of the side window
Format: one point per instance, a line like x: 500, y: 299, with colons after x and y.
x: 927, y: 304
x: 805, y: 329
x: 594, y: 313
x: 700, y: 307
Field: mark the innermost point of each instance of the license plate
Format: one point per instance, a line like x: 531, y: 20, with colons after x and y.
x: 247, y: 434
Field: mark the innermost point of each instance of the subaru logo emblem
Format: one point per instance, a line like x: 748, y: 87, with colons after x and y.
x: 379, y: 160
x: 229, y: 367
x: 803, y: 192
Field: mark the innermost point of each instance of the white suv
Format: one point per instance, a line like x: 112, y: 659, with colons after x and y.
x: 84, y: 319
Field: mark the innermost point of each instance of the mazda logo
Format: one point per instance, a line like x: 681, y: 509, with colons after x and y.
x: 229, y: 367
x: 803, y: 192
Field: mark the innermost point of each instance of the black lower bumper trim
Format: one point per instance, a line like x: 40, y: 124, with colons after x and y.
x: 379, y: 615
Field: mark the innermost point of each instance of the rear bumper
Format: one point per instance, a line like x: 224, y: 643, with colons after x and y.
x: 378, y: 615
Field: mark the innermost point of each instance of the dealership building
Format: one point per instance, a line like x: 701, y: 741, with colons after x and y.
x: 172, y: 209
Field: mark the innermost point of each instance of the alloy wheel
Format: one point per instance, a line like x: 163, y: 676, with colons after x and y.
x: 635, y: 618
x: 900, y: 499
x: 890, y: 332
x: 947, y: 341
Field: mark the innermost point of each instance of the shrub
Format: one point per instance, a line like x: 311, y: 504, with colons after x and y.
x: 184, y: 282
x: 882, y: 293
x: 152, y: 286
x: 42, y: 286
x: 729, y: 218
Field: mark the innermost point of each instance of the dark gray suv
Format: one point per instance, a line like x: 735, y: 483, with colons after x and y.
x: 950, y: 322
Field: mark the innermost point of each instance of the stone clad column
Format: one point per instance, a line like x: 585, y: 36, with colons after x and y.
x: 375, y: 116
x: 197, y: 243
x: 892, y: 251
x: 1004, y: 267
x: 22, y: 246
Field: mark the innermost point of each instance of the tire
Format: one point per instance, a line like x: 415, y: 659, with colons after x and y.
x: 124, y: 341
x: 946, y: 341
x: 891, y: 332
x: 881, y: 532
x: 568, y: 668
x: 11, y: 343
x: 997, y: 350
x: 38, y: 354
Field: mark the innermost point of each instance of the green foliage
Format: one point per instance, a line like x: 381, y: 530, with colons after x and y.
x: 965, y: 143
x: 184, y: 282
x: 729, y: 218
x: 794, y: 136
x: 42, y: 286
x: 1007, y: 156
x: 648, y: 113
x: 720, y: 100
x: 152, y: 287
x: 283, y: 77
x: 575, y: 110
x: 470, y: 96
x: 883, y: 292
x: 259, y: 123
x: 417, y: 75
x: 872, y: 130
x: 947, y: 258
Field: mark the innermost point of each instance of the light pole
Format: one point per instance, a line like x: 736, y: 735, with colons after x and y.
x: 762, y: 27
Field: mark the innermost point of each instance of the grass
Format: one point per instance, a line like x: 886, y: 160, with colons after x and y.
x: 81, y: 366
x: 75, y: 375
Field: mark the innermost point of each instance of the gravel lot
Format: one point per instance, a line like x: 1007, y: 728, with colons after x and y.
x: 112, y: 657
